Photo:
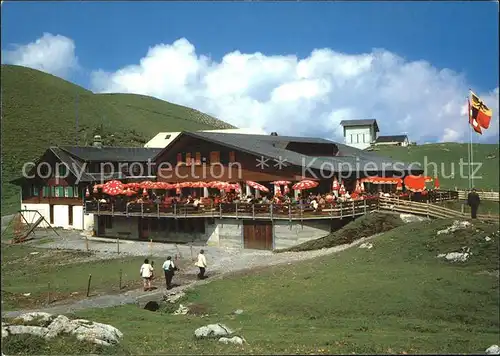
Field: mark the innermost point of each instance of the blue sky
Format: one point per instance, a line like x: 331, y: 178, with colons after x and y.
x: 461, y: 37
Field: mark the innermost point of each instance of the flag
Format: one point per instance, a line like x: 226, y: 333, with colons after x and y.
x: 480, y: 112
x: 473, y: 121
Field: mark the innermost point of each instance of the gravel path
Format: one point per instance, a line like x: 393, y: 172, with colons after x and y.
x: 220, y: 263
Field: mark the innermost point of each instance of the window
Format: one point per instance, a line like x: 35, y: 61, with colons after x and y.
x: 352, y: 140
x: 179, y: 159
x: 75, y: 192
x: 36, y: 191
x: 188, y: 159
x: 214, y: 157
x: 198, y: 158
x: 232, y: 157
x: 46, y: 192
x: 68, y: 193
x: 62, y: 170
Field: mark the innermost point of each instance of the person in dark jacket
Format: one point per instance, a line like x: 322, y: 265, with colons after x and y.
x: 473, y: 201
x: 169, y: 268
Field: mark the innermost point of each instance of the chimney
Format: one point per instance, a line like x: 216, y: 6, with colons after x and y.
x: 97, y: 141
x: 274, y: 134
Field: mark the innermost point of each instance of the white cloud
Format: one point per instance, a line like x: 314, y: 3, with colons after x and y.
x: 54, y: 54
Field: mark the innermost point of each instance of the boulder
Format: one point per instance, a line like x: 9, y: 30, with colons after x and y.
x: 366, y: 245
x: 457, y: 225
x: 40, y: 318
x: 455, y: 256
x: 493, y: 350
x: 236, y: 340
x: 182, y: 310
x: 173, y: 297
x: 409, y: 218
x: 238, y: 311
x: 82, y: 329
x: 212, y: 331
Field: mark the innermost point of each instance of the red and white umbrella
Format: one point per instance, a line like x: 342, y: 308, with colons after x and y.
x: 199, y: 185
x: 342, y: 190
x: 305, y: 184
x: 277, y: 190
x: 113, y: 187
x: 87, y: 193
x: 358, y: 187
x: 147, y: 184
x: 362, y: 186
x: 399, y: 186
x: 129, y: 192
x: 144, y: 192
x: 257, y: 186
x: 281, y: 182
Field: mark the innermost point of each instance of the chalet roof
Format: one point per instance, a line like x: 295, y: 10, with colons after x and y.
x: 361, y: 122
x: 393, y: 138
x: 273, y: 148
x: 111, y: 154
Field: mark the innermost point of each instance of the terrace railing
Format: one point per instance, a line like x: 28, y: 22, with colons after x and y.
x: 236, y: 210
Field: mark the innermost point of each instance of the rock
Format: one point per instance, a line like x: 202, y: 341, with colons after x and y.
x: 152, y: 306
x: 234, y: 340
x: 82, y: 329
x: 409, y: 218
x: 61, y: 325
x: 41, y: 318
x: 238, y: 311
x: 34, y: 253
x: 493, y: 350
x: 26, y: 294
x: 487, y: 239
x: 366, y: 245
x: 182, y: 310
x: 212, y: 330
x: 173, y: 297
x: 455, y: 256
x: 457, y: 225
x: 97, y: 333
x: 22, y: 329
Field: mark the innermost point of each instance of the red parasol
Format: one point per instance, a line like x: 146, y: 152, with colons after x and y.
x: 144, y: 192
x: 147, y: 184
x: 87, y: 193
x: 199, y: 185
x: 415, y: 183
x: 358, y: 187
x: 113, y: 187
x: 257, y: 186
x: 399, y: 186
x: 436, y: 183
x: 129, y: 192
x: 305, y: 184
x: 281, y: 182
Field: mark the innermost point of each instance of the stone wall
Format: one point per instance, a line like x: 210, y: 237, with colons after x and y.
x: 288, y: 234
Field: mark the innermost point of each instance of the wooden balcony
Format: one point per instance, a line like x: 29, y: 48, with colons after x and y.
x: 52, y: 200
x: 236, y: 210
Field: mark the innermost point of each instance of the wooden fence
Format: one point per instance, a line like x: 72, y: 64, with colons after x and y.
x: 483, y: 195
x: 427, y: 209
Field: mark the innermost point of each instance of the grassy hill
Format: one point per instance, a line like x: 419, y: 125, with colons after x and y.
x: 39, y: 109
x: 447, y: 158
x: 396, y: 298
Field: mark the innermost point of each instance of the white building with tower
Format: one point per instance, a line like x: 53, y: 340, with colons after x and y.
x: 360, y: 134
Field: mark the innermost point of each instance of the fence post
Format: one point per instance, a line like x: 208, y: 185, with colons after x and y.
x: 112, y: 209
x: 290, y: 212
x: 142, y: 209
x: 120, y: 283
x: 87, y: 243
x: 175, y: 210
x: 117, y: 246
x: 462, y: 208
x: 364, y: 205
x: 126, y: 209
x: 48, y: 293
x: 88, y: 285
x: 236, y: 207
x: 271, y: 211
x: 428, y: 209
x: 158, y: 209
x: 220, y: 210
x: 353, y: 209
x: 150, y: 247
x: 253, y: 211
x: 341, y: 209
x: 98, y: 208
x: 191, y: 248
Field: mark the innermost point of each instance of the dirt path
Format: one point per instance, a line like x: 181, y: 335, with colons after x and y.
x: 233, y: 261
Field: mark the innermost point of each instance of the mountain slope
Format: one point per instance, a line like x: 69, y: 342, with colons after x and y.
x: 39, y: 110
x: 447, y: 158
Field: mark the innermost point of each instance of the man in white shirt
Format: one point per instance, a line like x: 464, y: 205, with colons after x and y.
x: 169, y: 268
x: 146, y: 274
x: 201, y: 264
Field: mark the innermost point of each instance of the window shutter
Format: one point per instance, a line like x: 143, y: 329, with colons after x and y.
x: 214, y: 157
x: 46, y: 192
x: 70, y: 192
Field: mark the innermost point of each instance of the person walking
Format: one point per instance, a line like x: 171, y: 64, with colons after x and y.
x: 169, y: 268
x: 201, y: 264
x: 473, y: 201
x: 146, y: 274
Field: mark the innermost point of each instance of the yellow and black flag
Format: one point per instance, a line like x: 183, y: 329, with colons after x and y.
x: 479, y: 114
